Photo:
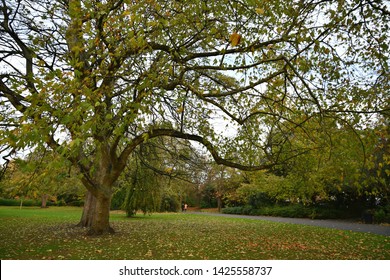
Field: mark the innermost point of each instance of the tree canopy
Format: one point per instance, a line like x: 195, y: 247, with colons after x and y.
x: 93, y: 80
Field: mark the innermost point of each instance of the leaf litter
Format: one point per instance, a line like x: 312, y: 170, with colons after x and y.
x: 181, y: 236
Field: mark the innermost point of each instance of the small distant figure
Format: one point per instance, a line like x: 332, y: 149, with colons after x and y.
x: 185, y: 207
x: 182, y: 207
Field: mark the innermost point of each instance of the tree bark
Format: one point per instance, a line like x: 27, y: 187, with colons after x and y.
x: 88, y: 210
x: 219, y: 202
x: 44, y: 200
x: 101, y: 219
x: 99, y: 182
x: 96, y: 214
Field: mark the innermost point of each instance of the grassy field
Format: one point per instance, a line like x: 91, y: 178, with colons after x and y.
x: 34, y: 233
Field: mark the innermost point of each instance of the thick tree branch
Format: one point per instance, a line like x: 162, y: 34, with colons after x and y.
x: 28, y: 54
x: 181, y: 135
x: 13, y: 97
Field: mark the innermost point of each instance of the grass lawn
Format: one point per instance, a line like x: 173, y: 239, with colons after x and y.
x: 34, y: 233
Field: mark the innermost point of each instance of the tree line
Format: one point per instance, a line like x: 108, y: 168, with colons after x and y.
x: 349, y: 174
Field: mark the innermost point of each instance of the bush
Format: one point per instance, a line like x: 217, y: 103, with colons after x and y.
x: 61, y: 202
x: 232, y: 210
x: 260, y: 200
x: 257, y: 212
x: 9, y: 202
x: 212, y: 203
x: 247, y: 210
x: 69, y: 200
x: 77, y: 203
x: 300, y: 211
x: 292, y: 211
x: 169, y: 204
x: 331, y: 213
x: 382, y: 215
x: 16, y: 202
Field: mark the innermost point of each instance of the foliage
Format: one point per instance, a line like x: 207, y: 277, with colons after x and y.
x: 382, y: 214
x: 30, y: 202
x: 296, y: 211
x: 16, y: 202
x: 349, y: 172
x: 144, y: 191
x: 169, y: 203
x: 42, y: 175
x: 263, y: 188
x: 218, y: 186
x: 158, y: 176
x: 118, y: 198
x: 209, y: 199
x: 177, y: 236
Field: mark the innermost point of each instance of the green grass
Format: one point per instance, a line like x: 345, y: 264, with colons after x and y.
x: 34, y: 233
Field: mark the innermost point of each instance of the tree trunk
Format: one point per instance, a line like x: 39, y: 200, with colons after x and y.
x: 101, y: 219
x: 88, y: 211
x: 219, y: 201
x: 99, y: 182
x: 44, y: 200
x: 96, y: 214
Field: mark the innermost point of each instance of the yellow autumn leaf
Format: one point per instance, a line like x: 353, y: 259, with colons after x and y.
x: 169, y: 170
x: 126, y: 13
x: 235, y: 39
x: 260, y: 11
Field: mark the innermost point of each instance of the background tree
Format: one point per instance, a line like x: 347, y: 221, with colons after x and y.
x: 375, y: 180
x: 160, y: 174
x: 93, y: 80
x: 221, y: 183
x: 346, y: 169
x: 41, y: 175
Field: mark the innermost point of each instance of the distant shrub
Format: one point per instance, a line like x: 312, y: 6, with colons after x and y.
x: 61, y: 202
x: 291, y: 211
x: 77, y: 203
x: 169, y: 204
x: 331, y: 213
x: 232, y: 210
x: 247, y: 210
x: 382, y: 215
x: 9, y: 202
x: 16, y: 202
x: 300, y: 211
x: 260, y: 200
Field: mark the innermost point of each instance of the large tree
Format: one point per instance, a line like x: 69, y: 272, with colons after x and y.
x: 94, y: 79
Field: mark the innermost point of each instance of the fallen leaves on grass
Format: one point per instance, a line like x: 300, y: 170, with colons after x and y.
x: 182, y: 236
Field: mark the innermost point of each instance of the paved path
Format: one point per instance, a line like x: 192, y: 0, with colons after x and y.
x: 336, y: 224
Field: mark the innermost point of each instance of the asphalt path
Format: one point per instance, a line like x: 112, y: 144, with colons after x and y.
x: 335, y: 224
